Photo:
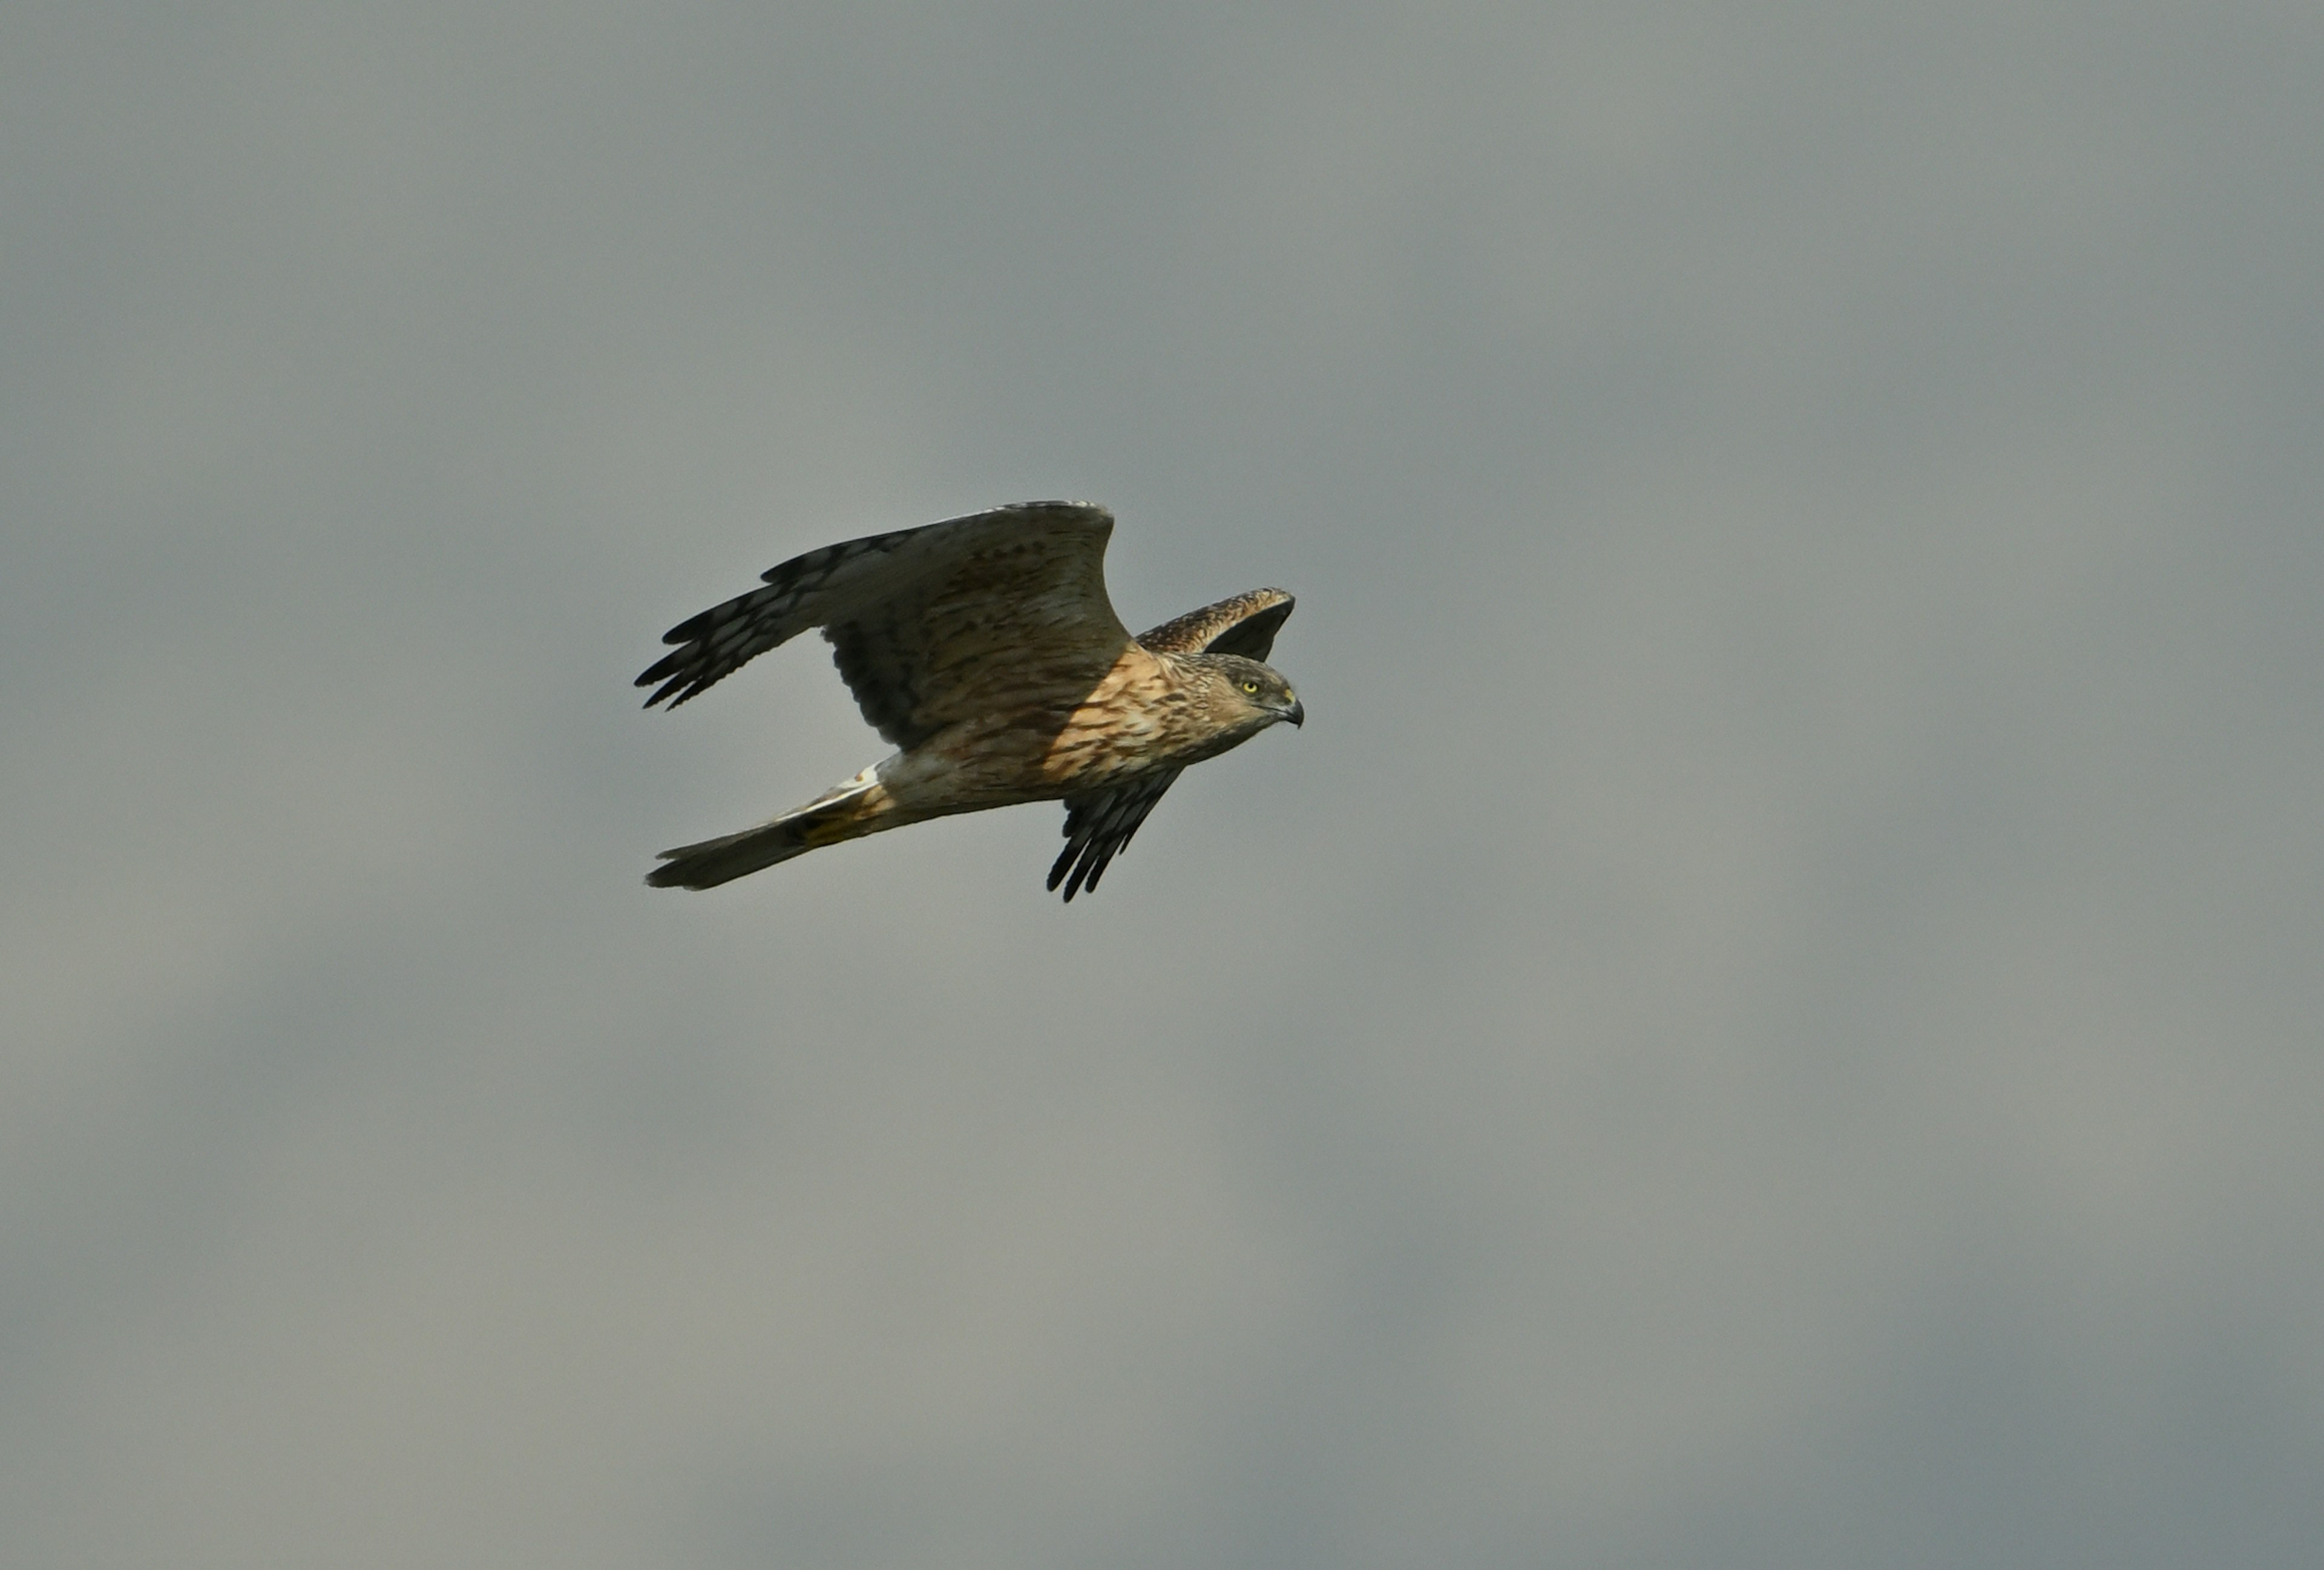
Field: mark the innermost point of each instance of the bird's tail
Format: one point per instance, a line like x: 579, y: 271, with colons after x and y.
x: 848, y: 811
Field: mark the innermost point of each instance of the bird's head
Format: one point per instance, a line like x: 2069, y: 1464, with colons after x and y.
x: 1252, y: 696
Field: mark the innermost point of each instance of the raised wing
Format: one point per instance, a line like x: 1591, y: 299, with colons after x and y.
x: 1099, y: 825
x: 928, y: 625
x: 1245, y: 625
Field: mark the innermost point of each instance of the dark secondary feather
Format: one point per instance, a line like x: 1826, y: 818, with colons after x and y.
x: 924, y: 623
x: 722, y: 640
x: 1101, y: 823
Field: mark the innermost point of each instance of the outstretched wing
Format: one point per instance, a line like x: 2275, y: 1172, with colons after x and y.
x: 1099, y: 825
x: 928, y: 625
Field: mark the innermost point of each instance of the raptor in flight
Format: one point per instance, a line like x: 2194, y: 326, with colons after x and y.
x: 985, y: 648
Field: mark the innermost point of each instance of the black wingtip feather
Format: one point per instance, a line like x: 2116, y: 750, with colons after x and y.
x: 1091, y: 857
x: 693, y: 627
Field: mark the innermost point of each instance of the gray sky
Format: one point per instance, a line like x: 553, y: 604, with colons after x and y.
x: 1769, y: 1019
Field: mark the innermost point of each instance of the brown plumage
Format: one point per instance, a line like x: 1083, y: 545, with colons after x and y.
x: 985, y: 649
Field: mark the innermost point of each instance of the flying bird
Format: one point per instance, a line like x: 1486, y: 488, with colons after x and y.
x: 985, y: 649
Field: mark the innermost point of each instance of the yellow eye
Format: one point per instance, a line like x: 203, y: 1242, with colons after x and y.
x: 1251, y: 686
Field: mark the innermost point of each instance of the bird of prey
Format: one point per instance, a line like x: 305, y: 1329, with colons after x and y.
x: 985, y: 649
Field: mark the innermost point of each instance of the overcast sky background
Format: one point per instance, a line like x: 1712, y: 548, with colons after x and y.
x: 1771, y: 1017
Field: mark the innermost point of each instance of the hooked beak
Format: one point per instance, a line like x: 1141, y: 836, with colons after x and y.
x: 1297, y: 713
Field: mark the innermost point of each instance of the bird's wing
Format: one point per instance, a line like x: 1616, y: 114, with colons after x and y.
x: 1245, y: 625
x: 928, y: 625
x: 1099, y: 825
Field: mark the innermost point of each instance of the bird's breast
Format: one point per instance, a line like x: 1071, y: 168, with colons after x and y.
x: 1138, y: 718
